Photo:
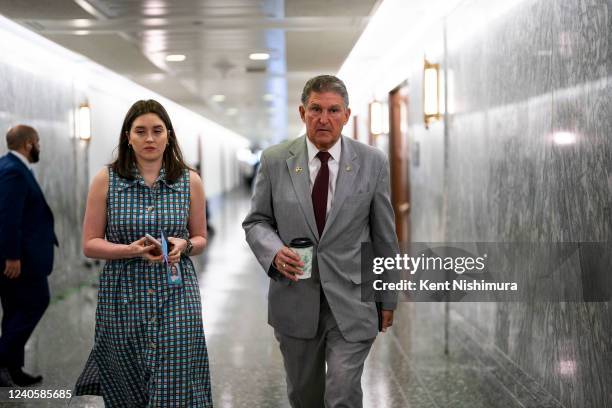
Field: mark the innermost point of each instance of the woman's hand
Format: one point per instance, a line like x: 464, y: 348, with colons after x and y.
x: 142, y: 249
x: 178, y: 245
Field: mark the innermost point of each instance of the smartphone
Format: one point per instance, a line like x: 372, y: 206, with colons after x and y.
x: 153, y: 241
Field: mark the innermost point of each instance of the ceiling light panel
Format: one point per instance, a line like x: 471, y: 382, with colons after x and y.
x: 175, y: 58
x: 259, y: 56
x: 196, y: 8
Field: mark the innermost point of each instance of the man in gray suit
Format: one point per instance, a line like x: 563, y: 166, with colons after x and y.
x: 334, y: 191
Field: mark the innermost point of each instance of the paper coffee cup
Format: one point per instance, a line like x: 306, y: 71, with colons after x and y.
x: 303, y: 247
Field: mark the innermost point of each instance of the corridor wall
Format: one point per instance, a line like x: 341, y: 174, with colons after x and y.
x: 42, y: 85
x: 524, y: 155
x: 529, y: 160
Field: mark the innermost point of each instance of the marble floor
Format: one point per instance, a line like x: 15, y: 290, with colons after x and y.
x: 407, y: 367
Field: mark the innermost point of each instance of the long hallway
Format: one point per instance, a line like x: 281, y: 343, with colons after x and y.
x: 407, y: 367
x: 476, y: 132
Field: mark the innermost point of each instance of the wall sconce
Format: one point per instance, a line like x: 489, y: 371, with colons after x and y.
x: 431, y: 92
x: 379, y: 118
x: 83, y: 123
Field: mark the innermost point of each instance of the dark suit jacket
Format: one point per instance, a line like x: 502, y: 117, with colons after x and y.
x: 26, y: 221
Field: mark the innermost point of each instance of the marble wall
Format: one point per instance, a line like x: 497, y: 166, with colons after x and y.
x: 528, y: 159
x: 41, y: 85
x: 47, y: 104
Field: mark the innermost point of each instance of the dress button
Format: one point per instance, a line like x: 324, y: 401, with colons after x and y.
x: 153, y: 319
x: 150, y: 209
x: 152, y: 345
x: 151, y: 291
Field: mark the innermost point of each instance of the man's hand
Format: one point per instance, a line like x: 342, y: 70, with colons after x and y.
x: 288, y: 263
x: 12, y: 268
x: 387, y: 319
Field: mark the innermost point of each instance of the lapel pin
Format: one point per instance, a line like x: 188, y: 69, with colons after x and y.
x: 298, y: 169
x: 348, y: 168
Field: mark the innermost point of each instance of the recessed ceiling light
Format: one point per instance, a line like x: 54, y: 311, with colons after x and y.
x: 156, y: 77
x: 231, y: 111
x: 82, y: 32
x: 268, y: 97
x: 218, y: 98
x: 81, y: 23
x: 155, y: 22
x: 259, y: 56
x: 175, y: 58
x: 155, y: 3
x: 154, y: 11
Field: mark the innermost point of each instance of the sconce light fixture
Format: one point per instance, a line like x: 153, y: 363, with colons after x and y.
x: 376, y: 118
x: 379, y: 118
x: 431, y: 92
x: 83, y: 122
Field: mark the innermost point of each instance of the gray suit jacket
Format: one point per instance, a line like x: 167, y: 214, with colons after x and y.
x: 281, y: 210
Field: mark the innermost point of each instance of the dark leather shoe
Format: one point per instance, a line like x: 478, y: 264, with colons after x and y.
x: 5, y: 378
x: 22, y: 378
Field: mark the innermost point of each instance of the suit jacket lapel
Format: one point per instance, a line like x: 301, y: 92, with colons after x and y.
x: 347, y: 174
x: 297, y: 165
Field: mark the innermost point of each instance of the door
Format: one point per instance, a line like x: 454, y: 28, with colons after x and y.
x: 399, y: 160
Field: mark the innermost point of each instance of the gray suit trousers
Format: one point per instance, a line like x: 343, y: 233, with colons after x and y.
x: 308, y: 384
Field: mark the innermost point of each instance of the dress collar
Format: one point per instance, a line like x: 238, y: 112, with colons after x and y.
x: 138, y: 179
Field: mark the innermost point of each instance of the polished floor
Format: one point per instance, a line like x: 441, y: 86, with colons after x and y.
x: 407, y: 367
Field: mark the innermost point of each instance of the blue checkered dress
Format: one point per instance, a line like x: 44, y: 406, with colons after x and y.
x: 149, y: 348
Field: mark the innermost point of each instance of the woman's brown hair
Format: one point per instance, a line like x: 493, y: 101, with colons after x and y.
x: 125, y: 162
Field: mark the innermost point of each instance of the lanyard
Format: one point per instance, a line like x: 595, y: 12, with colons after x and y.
x: 164, y: 244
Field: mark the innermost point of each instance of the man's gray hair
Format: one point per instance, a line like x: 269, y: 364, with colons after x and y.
x: 325, y: 83
x: 19, y: 135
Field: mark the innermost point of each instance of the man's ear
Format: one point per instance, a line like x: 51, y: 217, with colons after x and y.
x: 348, y: 115
x: 302, y: 113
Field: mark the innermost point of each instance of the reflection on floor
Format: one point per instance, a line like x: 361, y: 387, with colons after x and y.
x: 406, y: 368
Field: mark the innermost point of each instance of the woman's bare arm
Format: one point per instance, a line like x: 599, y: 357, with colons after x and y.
x: 197, y: 214
x: 94, y: 226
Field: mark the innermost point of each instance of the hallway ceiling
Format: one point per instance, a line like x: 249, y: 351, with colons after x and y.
x: 133, y: 37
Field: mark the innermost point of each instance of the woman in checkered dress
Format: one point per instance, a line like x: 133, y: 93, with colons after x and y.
x: 149, y: 348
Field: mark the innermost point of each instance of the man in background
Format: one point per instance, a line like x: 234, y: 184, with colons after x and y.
x: 27, y: 238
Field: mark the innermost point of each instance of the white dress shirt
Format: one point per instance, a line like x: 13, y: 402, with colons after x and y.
x: 314, y: 164
x: 22, y: 158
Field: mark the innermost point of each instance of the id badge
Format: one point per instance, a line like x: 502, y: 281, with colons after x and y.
x: 175, y: 277
x: 173, y: 271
